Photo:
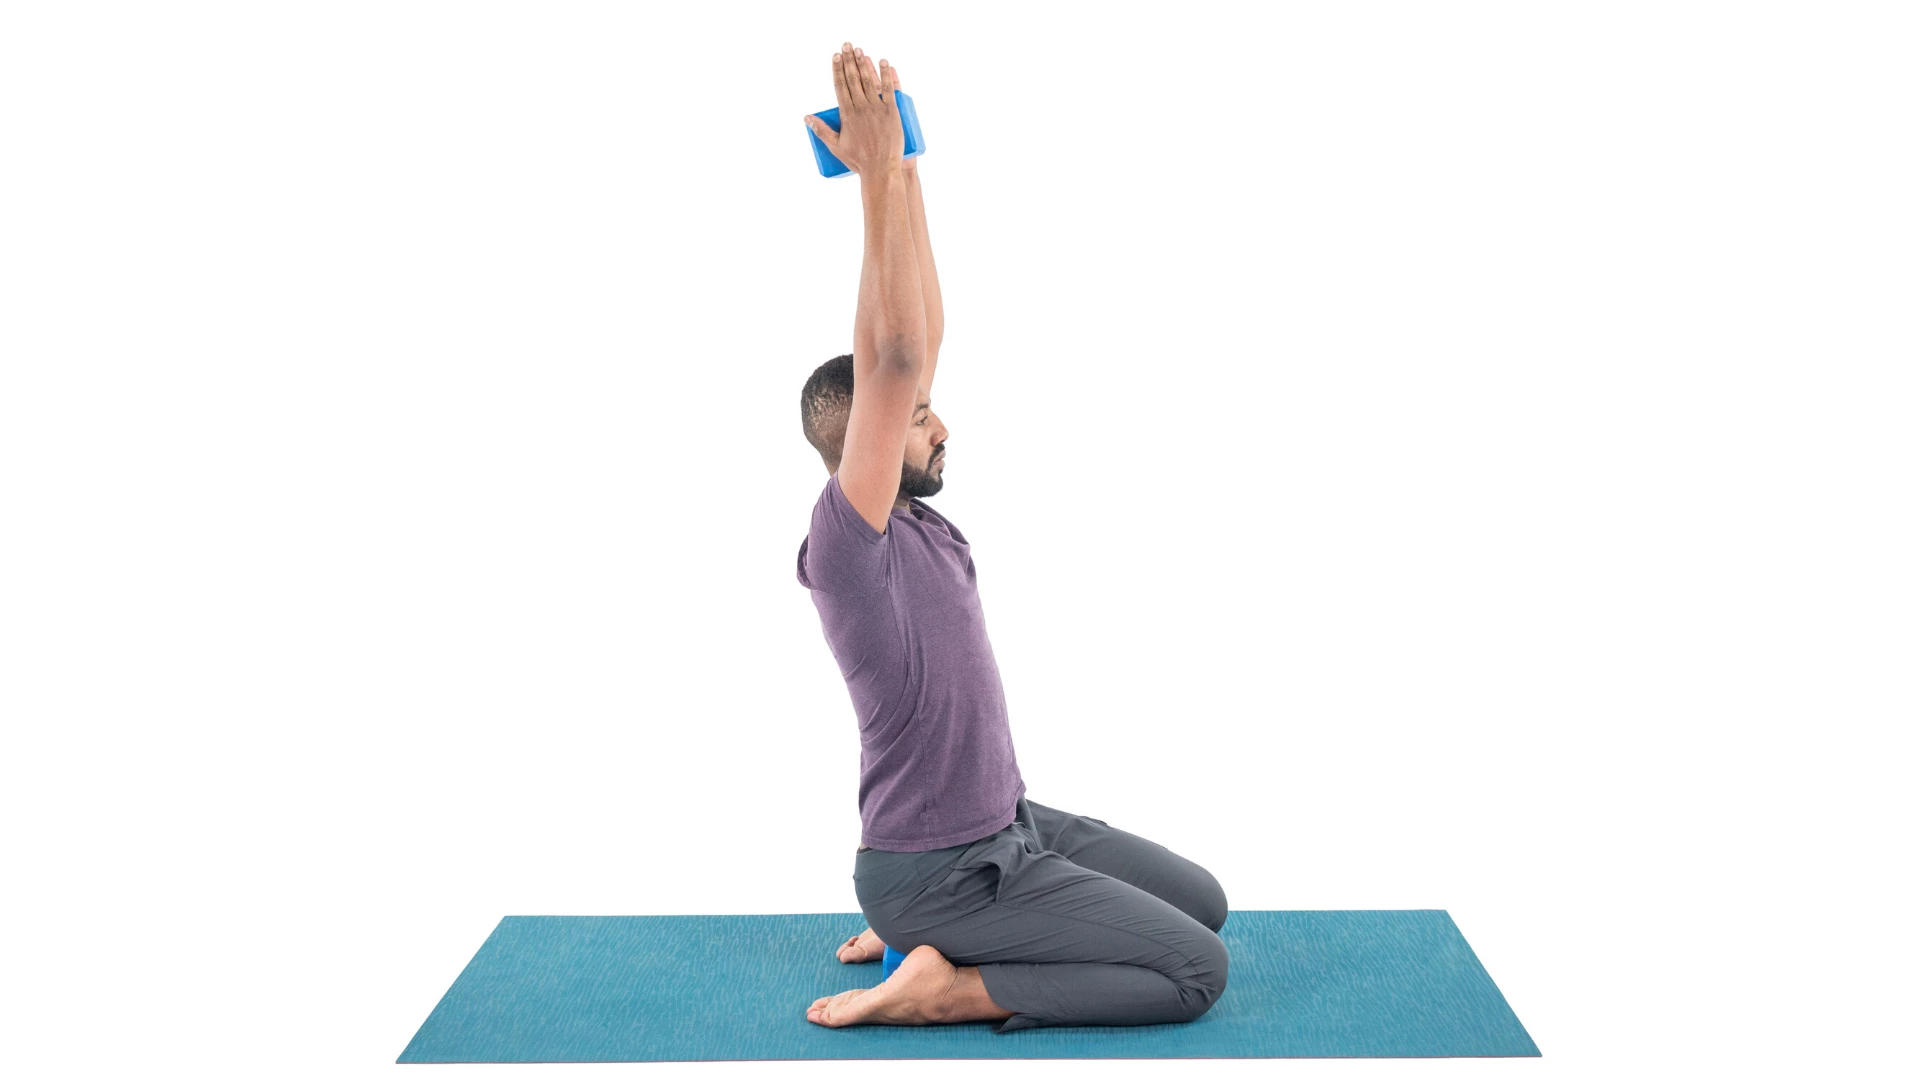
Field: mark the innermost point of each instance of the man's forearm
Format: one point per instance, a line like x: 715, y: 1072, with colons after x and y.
x: 890, y: 322
x: 929, y: 281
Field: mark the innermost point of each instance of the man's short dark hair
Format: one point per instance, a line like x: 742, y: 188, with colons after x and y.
x: 825, y: 404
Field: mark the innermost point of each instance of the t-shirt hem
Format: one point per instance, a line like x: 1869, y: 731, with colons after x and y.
x: 962, y: 836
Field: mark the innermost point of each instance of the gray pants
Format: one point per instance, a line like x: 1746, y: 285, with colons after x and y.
x: 1070, y: 920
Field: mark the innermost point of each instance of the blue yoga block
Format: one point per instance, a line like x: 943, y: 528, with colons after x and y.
x: 891, y: 961
x: 909, y: 123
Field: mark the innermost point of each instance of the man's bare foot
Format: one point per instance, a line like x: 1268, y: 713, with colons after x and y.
x: 924, y: 989
x: 862, y: 948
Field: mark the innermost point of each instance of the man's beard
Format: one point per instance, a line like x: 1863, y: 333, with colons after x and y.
x: 918, y: 483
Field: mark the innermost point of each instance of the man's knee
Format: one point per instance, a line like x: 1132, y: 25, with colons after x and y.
x: 1211, y: 904
x: 1209, y: 980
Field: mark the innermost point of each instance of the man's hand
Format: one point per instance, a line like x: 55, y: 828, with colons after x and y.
x: 870, y: 139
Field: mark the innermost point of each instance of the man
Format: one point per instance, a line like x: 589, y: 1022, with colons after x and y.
x: 1007, y: 910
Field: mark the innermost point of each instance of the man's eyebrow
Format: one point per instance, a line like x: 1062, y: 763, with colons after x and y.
x: 917, y: 408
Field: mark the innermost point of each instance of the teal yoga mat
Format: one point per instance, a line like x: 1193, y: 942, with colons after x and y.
x: 737, y: 987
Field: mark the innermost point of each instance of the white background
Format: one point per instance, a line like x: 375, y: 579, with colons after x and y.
x: 1452, y: 456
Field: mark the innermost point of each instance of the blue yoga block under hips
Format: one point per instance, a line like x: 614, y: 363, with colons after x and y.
x: 891, y: 961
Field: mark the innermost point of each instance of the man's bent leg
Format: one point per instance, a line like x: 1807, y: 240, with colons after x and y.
x: 1056, y: 943
x: 1102, y: 952
x: 1139, y: 862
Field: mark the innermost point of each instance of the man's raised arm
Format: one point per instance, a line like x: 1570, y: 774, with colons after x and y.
x: 929, y: 281
x: 890, y: 322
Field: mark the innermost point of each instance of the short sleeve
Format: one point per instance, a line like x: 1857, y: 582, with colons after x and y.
x: 842, y: 553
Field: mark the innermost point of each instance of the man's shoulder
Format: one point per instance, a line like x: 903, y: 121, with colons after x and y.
x: 841, y: 552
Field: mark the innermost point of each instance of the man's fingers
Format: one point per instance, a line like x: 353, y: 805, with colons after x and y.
x: 861, y: 64
x: 856, y: 79
x: 822, y: 132
x: 856, y: 96
x: 840, y: 83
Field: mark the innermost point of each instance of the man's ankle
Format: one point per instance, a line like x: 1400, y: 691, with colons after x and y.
x: 966, y: 998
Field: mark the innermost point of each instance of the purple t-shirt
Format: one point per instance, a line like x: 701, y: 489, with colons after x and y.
x: 903, y: 618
